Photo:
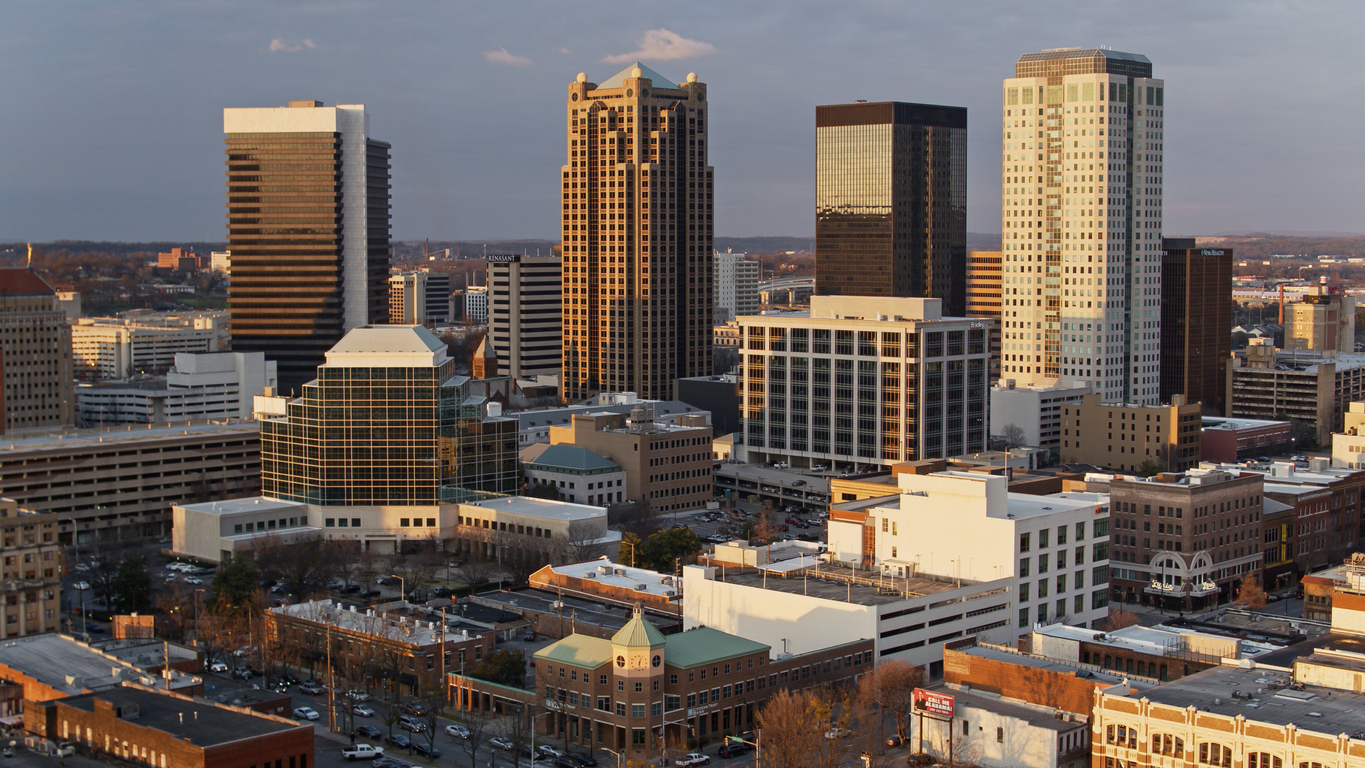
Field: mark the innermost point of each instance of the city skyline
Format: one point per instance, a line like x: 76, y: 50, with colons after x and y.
x: 159, y: 78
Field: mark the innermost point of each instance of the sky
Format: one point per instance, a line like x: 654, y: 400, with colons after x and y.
x: 111, y: 112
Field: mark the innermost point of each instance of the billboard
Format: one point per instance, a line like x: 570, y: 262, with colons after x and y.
x: 933, y: 703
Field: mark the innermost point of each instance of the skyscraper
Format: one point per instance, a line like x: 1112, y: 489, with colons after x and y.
x: 308, y: 227
x: 525, y: 325
x: 1196, y: 313
x: 35, y: 355
x: 891, y: 201
x: 637, y: 235
x: 1081, y: 219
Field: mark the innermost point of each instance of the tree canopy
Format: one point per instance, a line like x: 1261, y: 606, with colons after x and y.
x: 131, y: 590
x: 665, y: 547
x: 504, y: 667
x: 236, y: 580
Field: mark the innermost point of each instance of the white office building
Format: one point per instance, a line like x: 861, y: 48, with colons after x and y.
x: 1054, y: 549
x: 218, y: 385
x: 1082, y: 176
x: 736, y: 287
x: 1037, y: 410
x: 524, y: 314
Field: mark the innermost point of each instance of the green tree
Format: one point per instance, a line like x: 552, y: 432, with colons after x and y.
x: 631, y: 549
x: 236, y: 580
x: 1149, y: 467
x: 544, y: 490
x: 132, y: 587
x: 664, y: 547
x: 505, y: 667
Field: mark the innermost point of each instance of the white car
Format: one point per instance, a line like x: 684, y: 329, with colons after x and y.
x: 692, y: 758
x: 360, y: 710
x: 218, y: 666
x: 306, y: 713
x: 82, y: 567
x: 81, y: 585
x: 362, y: 752
x: 193, y: 580
x: 457, y: 731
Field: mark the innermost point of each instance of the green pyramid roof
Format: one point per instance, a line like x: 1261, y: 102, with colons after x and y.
x: 638, y: 633
x: 618, y: 80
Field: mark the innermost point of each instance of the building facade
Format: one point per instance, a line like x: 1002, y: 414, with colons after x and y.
x: 1185, y: 541
x: 580, y: 475
x: 1082, y: 182
x: 37, y: 364
x: 525, y: 323
x: 736, y: 287
x: 863, y: 380
x: 637, y: 235
x: 984, y: 284
x: 1323, y: 319
x: 1267, y: 383
x: 114, y: 348
x: 1124, y: 437
x: 34, y: 563
x: 1037, y: 411
x: 437, y: 298
x: 308, y: 229
x: 1233, y: 440
x: 890, y: 201
x: 1196, y: 313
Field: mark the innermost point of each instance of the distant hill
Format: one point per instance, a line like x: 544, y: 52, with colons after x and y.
x: 1258, y: 245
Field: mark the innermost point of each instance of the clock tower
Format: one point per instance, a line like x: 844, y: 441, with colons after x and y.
x: 638, y: 652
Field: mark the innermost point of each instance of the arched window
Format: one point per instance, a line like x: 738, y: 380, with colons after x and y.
x: 1263, y: 760
x: 1213, y: 753
x: 1166, y: 744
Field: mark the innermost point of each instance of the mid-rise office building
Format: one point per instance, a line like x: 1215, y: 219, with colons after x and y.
x: 891, y: 201
x: 736, y: 287
x: 1055, y: 546
x: 386, y: 423
x: 1124, y: 437
x: 437, y: 298
x: 1082, y: 182
x: 524, y: 314
x: 308, y: 228
x: 863, y: 380
x: 408, y: 298
x: 178, y: 258
x: 36, y: 344
x: 1184, y: 542
x: 1302, y: 385
x: 221, y: 261
x: 637, y: 234
x: 1196, y: 313
x: 983, y: 296
x: 108, y: 348
x: 1032, y: 416
x: 475, y: 301
x: 1323, y: 320
x: 217, y: 385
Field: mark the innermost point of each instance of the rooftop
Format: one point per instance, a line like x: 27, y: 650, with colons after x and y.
x: 566, y: 456
x: 832, y: 582
x: 1213, y: 422
x: 546, y: 508
x: 21, y: 281
x: 387, y: 345
x: 563, y: 417
x: 65, y: 664
x: 197, y: 721
x: 693, y: 648
x: 73, y: 439
x: 1262, y: 693
x: 380, y: 625
x: 600, y: 612
x: 623, y: 577
x: 1026, y: 505
x: 248, y: 504
x: 618, y: 80
x: 1035, y: 716
x: 1099, y: 675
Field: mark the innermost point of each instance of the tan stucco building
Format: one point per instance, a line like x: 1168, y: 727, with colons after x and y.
x: 1123, y: 436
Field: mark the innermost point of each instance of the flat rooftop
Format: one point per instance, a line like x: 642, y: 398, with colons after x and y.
x: 197, y: 721
x: 830, y: 582
x: 1156, y: 641
x: 1216, y: 422
x: 107, y: 438
x: 1099, y: 675
x: 384, y: 626
x: 607, y: 616
x: 546, y: 508
x: 1037, y: 717
x: 1026, y: 505
x: 248, y: 504
x: 563, y: 417
x: 65, y: 664
x: 624, y: 577
x: 1327, y: 711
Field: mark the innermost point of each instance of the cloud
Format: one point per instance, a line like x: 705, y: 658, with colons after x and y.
x: 501, y: 56
x: 662, y: 45
x: 562, y: 50
x: 277, y: 45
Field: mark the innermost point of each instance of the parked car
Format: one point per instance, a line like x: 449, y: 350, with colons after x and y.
x: 81, y: 586
x: 369, y: 732
x: 837, y: 733
x: 457, y: 731
x: 585, y: 760
x: 732, y: 750
x: 692, y: 758
x: 426, y: 750
x: 411, y: 724
x: 894, y: 741
x: 312, y: 688
x: 501, y: 743
x: 399, y: 740
x: 546, y: 749
x: 305, y: 713
x: 360, y: 710
x: 218, y: 666
x: 417, y: 709
x: 390, y: 762
x: 362, y: 752
x: 242, y: 673
x: 354, y: 695
x: 351, y: 588
x: 193, y: 580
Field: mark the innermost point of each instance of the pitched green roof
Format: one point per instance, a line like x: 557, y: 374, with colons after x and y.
x: 704, y: 645
x: 618, y: 80
x: 638, y: 633
x: 583, y: 651
x: 564, y: 456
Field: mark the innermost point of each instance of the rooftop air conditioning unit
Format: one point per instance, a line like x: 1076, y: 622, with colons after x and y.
x: 669, y: 593
x: 641, y: 587
x: 590, y: 575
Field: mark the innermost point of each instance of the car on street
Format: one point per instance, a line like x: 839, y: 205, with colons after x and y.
x: 218, y: 666
x: 410, y: 723
x: 242, y: 673
x: 528, y: 636
x: 81, y: 586
x: 546, y: 749
x: 566, y: 762
x: 586, y: 761
x: 362, y: 752
x: 354, y: 695
x: 416, y: 708
x: 399, y: 740
x: 837, y: 733
x: 369, y: 732
x: 361, y: 710
x: 312, y: 688
x: 732, y: 750
x: 692, y: 758
x: 501, y: 743
x: 82, y: 567
x: 894, y: 741
x: 457, y: 731
x: 390, y: 762
x: 426, y: 750
x: 306, y: 713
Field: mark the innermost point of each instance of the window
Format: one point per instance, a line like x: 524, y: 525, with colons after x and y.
x: 1213, y: 753
x: 999, y: 735
x: 637, y: 710
x: 1023, y: 566
x: 620, y: 709
x: 1023, y: 542
x: 601, y: 679
x: 604, y: 703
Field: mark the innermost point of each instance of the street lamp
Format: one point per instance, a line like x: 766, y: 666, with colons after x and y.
x: 614, y: 752
x: 402, y: 593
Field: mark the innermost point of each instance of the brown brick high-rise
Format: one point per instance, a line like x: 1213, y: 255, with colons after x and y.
x: 637, y: 216
x: 1196, y: 322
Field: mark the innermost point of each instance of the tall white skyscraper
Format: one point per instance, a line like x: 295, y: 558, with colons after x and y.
x: 1082, y: 183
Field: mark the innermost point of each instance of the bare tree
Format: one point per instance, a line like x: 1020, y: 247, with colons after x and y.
x: 791, y: 735
x: 1120, y: 618
x: 889, y: 689
x: 582, y: 541
x: 1013, y: 436
x: 1250, y: 595
x: 476, y: 723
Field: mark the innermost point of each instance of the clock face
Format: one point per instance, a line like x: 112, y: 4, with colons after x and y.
x: 638, y: 661
x: 620, y: 661
x: 657, y: 660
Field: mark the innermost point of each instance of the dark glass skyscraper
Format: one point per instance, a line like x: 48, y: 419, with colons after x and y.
x: 308, y: 228
x: 891, y: 201
x: 1196, y: 313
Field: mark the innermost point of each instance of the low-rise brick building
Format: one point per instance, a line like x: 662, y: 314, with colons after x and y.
x: 154, y: 728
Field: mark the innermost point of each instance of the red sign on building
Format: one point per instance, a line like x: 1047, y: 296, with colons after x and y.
x: 933, y: 703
